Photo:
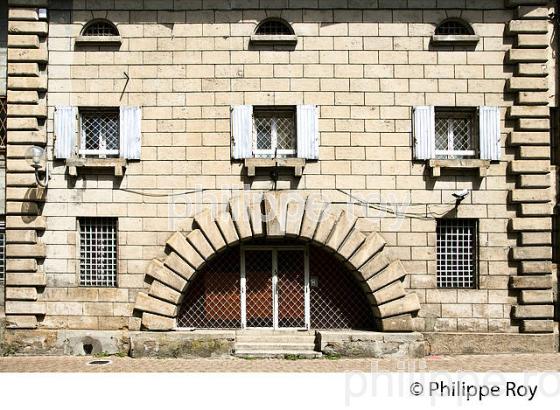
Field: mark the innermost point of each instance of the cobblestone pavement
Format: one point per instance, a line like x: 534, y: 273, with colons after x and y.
x: 480, y: 363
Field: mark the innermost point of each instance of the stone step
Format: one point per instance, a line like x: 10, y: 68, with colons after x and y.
x: 276, y: 339
x: 278, y: 354
x: 275, y: 346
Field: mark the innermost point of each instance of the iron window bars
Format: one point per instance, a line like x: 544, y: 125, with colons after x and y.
x: 274, y: 133
x: 456, y: 253
x: 274, y: 27
x: 100, y: 133
x: 454, y: 28
x: 456, y: 135
x: 100, y: 28
x: 3, y: 123
x: 2, y: 250
x: 98, y: 251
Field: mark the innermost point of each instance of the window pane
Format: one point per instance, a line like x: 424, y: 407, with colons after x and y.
x: 456, y: 253
x: 455, y: 135
x: 275, y: 133
x: 98, y: 252
x: 263, y: 127
x: 285, y: 132
x: 101, y: 131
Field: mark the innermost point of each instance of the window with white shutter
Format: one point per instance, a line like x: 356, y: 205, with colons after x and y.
x: 489, y: 130
x: 275, y: 132
x: 424, y: 132
x: 65, y: 119
x: 98, y: 133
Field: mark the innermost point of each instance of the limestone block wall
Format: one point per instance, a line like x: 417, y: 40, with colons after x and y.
x: 364, y: 65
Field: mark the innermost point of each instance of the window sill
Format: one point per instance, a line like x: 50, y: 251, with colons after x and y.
x: 437, y: 164
x: 118, y: 164
x: 253, y: 163
x: 98, y: 40
x: 455, y: 39
x: 274, y: 39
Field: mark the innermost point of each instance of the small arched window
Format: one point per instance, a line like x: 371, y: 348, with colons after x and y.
x: 274, y: 27
x: 100, y: 28
x: 454, y: 27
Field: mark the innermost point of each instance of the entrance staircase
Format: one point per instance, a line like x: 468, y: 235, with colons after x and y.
x: 276, y: 344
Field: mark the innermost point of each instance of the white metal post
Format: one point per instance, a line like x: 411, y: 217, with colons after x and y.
x: 243, y: 291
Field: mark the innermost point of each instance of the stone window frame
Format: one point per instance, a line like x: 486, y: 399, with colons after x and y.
x: 274, y: 39
x: 470, y: 39
x: 85, y: 39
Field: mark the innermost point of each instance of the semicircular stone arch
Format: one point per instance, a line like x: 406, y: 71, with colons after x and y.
x: 278, y: 215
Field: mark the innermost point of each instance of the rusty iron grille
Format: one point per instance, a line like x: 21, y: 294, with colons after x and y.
x: 456, y: 253
x: 337, y: 300
x: 2, y: 250
x: 100, y: 133
x: 291, y: 288
x: 98, y: 252
x: 453, y: 28
x: 212, y: 300
x: 100, y: 28
x: 259, y: 302
x: 3, y: 123
x: 274, y: 28
x: 455, y: 135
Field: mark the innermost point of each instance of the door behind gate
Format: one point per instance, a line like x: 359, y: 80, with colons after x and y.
x: 274, y: 288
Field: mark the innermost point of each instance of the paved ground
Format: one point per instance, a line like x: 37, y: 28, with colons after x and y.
x: 499, y: 363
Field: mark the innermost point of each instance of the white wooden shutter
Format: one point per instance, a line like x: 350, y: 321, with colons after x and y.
x: 307, y: 132
x: 65, y: 119
x: 242, y: 131
x: 424, y: 125
x: 130, y: 132
x: 489, y: 133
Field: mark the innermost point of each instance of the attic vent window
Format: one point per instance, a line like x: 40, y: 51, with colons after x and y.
x: 99, y: 31
x: 100, y: 28
x: 454, y: 31
x: 454, y: 28
x: 274, y: 28
x: 274, y: 31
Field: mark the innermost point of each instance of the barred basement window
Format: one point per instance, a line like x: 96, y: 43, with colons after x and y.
x: 456, y: 135
x: 454, y: 27
x: 98, y: 251
x: 100, y: 133
x: 274, y: 27
x: 2, y: 250
x: 456, y: 253
x: 3, y: 123
x: 274, y: 133
x: 100, y: 28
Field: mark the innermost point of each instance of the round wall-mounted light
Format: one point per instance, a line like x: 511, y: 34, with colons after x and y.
x: 34, y: 157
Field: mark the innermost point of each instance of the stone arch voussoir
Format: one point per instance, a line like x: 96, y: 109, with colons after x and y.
x: 286, y: 214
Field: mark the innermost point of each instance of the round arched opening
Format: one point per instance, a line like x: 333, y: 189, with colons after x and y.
x: 275, y: 284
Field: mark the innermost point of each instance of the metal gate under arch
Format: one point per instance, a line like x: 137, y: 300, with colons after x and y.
x: 275, y: 289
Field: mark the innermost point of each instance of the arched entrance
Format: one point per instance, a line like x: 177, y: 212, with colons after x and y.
x: 279, y: 284
x: 285, y: 217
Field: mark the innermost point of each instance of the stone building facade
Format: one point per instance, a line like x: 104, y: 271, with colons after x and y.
x: 179, y: 133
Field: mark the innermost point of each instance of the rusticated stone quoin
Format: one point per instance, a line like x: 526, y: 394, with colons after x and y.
x: 531, y: 138
x: 26, y: 83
